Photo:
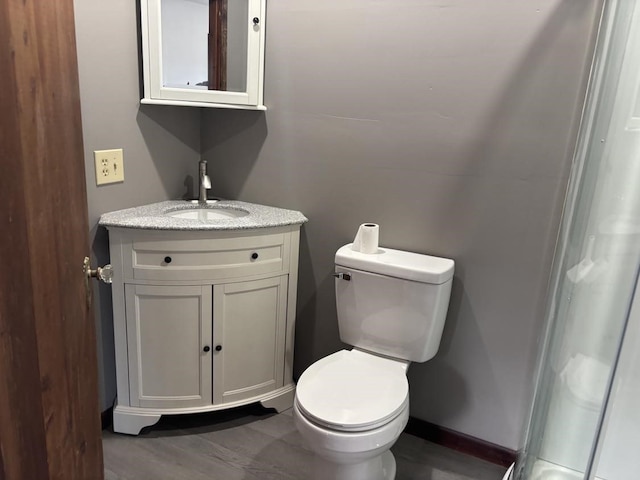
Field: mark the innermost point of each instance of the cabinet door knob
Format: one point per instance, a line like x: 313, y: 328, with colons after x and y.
x: 256, y: 20
x: 218, y: 348
x: 206, y: 348
x: 167, y: 259
x: 254, y: 255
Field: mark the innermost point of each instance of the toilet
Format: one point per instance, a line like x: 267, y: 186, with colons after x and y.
x: 351, y: 406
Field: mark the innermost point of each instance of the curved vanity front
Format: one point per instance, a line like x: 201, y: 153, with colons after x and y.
x: 203, y: 306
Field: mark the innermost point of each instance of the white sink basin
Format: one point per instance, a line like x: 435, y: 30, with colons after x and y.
x: 208, y: 214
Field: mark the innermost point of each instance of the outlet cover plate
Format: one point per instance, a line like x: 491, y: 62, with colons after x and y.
x: 109, y: 166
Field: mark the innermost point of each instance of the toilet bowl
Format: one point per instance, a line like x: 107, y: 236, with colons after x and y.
x: 352, y: 455
x: 350, y: 408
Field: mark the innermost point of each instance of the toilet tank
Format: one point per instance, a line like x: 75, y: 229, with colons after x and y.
x: 393, y: 302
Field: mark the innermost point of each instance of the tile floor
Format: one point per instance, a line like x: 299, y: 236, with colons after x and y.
x: 247, y: 444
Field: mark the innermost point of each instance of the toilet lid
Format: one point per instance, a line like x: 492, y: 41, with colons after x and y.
x: 353, y: 390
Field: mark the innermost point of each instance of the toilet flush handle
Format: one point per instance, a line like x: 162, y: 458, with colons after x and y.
x: 343, y: 276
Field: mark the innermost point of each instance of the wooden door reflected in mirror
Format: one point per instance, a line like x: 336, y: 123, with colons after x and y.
x: 217, y: 45
x: 204, y: 44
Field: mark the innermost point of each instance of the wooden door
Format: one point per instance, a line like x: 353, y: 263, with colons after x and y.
x: 249, y: 322
x: 49, y: 413
x: 169, y: 345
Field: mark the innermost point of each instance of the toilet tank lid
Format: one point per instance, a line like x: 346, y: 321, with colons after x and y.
x: 398, y: 263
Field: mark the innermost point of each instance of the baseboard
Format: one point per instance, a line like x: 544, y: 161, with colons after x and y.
x: 461, y: 442
x: 107, y: 418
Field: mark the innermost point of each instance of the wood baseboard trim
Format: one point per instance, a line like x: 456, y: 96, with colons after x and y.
x: 460, y: 442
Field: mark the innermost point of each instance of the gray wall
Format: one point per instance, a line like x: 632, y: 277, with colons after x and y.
x: 161, y: 144
x: 451, y: 123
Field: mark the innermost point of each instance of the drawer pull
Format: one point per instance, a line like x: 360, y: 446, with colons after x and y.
x: 167, y: 259
x: 254, y: 255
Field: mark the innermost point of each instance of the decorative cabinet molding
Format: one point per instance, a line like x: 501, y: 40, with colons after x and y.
x: 209, y: 329
x: 250, y: 321
x: 217, y: 62
x: 168, y: 329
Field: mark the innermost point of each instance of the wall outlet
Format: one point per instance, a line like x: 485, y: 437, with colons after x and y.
x: 109, y: 166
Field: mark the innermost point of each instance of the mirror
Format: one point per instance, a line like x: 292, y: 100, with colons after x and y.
x: 203, y: 52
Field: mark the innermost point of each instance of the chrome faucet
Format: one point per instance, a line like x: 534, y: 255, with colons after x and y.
x: 205, y: 182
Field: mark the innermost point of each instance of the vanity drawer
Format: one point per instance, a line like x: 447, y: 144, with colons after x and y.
x: 207, y: 259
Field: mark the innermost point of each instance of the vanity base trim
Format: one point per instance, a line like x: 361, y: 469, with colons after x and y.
x: 126, y: 421
x: 131, y: 420
x: 280, y: 400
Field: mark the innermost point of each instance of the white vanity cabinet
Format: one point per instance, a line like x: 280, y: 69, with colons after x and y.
x: 203, y: 320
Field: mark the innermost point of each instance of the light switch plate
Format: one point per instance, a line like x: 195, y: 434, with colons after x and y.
x: 109, y: 166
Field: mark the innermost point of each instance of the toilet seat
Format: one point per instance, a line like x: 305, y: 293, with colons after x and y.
x: 353, y: 391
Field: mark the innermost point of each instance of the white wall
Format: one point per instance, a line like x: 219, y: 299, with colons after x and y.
x: 185, y: 31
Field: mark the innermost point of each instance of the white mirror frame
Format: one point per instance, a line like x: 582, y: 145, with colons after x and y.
x: 156, y: 93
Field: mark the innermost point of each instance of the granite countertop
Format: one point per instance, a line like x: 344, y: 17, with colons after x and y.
x: 154, y: 216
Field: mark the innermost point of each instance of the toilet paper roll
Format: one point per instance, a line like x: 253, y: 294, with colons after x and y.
x: 366, y: 240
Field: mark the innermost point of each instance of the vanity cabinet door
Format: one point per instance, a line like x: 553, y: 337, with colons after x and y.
x: 248, y: 337
x: 169, y: 345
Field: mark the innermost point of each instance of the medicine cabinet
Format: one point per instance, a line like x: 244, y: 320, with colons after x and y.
x: 204, y: 53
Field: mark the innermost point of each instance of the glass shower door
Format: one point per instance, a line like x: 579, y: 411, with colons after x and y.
x: 595, y: 272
